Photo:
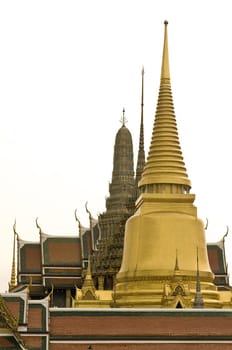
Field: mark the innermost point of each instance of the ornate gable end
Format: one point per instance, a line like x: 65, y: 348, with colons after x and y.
x: 7, y: 320
x: 9, y: 337
x: 179, y: 290
x: 176, y: 295
x: 89, y: 295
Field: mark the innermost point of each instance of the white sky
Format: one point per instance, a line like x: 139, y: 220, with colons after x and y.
x: 67, y: 69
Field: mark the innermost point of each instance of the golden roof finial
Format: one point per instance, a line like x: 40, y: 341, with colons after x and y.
x: 29, y: 284
x: 12, y: 283
x: 226, y: 234
x: 206, y: 224
x: 92, y: 221
x: 37, y: 225
x: 77, y: 220
x: 87, y: 210
x: 50, y: 293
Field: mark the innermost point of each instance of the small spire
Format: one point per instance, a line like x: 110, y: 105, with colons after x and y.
x: 176, y: 273
x: 88, y: 284
x: 198, y: 300
x: 177, y: 263
x: 13, y: 268
x: 141, y: 152
x: 123, y: 120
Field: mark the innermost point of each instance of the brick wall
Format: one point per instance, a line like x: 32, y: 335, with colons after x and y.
x: 151, y: 326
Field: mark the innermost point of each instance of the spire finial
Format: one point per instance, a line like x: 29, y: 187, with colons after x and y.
x: 123, y: 120
x: 142, y: 94
x: 165, y: 73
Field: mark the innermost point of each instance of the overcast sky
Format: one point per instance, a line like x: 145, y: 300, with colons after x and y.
x: 67, y: 69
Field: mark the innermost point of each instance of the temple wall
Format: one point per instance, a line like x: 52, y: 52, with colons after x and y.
x: 136, y: 329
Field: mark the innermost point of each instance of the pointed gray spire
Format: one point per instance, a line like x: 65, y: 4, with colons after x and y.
x: 141, y: 152
x: 177, y: 263
x: 198, y: 300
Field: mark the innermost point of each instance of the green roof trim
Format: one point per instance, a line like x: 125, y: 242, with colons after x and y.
x: 144, y: 337
x: 142, y: 312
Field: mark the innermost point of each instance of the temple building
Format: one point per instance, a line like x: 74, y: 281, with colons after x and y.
x: 141, y: 276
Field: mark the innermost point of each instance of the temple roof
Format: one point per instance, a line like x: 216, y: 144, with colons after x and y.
x: 218, y: 264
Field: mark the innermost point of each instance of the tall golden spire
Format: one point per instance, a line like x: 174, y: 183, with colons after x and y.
x: 165, y: 164
x: 13, y: 268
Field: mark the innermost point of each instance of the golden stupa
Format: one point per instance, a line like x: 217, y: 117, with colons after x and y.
x: 165, y: 246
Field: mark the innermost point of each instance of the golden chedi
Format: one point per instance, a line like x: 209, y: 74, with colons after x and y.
x: 162, y: 238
